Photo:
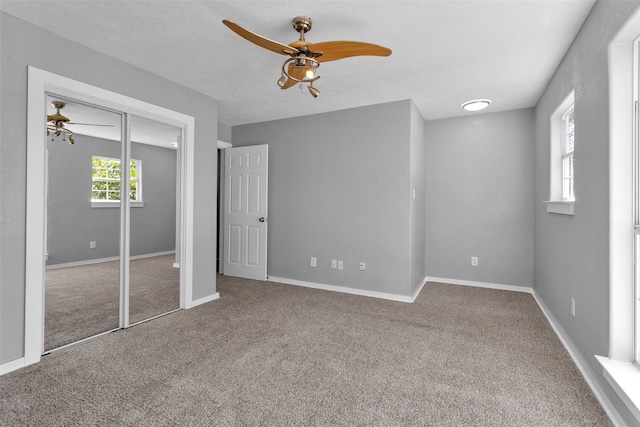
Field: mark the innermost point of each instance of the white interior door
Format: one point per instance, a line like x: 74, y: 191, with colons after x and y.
x: 245, y: 214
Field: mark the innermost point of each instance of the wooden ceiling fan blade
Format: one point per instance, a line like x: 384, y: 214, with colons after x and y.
x: 296, y: 72
x: 345, y: 49
x: 264, y: 42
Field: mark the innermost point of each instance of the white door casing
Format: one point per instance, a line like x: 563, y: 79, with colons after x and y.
x: 245, y: 215
x: 40, y: 84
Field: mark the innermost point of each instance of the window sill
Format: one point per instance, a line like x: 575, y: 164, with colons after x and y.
x: 95, y: 204
x: 561, y: 207
x: 624, y: 378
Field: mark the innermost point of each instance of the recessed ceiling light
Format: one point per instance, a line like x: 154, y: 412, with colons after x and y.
x: 476, y: 104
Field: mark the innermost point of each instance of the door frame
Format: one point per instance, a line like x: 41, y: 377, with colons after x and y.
x: 40, y: 84
x: 221, y: 203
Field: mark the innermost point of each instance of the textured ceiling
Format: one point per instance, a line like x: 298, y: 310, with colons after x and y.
x: 444, y: 52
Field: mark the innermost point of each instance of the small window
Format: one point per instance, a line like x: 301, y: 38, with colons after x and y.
x: 106, y: 185
x: 562, y: 167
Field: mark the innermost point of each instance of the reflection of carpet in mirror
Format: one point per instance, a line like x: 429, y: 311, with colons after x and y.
x: 84, y: 301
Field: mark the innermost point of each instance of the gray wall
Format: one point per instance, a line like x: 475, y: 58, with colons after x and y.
x: 224, y: 132
x: 153, y: 227
x: 24, y: 44
x: 479, y: 195
x: 72, y: 223
x: 339, y: 188
x: 572, y: 252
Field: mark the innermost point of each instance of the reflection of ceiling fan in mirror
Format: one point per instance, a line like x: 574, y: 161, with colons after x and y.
x: 305, y: 57
x: 56, y: 123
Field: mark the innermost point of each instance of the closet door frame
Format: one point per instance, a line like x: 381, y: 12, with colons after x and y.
x: 125, y: 221
x: 41, y: 84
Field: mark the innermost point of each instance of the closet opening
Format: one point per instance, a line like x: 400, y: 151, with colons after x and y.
x: 120, y: 180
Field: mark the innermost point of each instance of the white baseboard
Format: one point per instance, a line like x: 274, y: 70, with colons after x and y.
x: 152, y: 255
x: 480, y: 284
x: 419, y: 289
x: 14, y: 365
x: 343, y: 289
x: 108, y: 259
x: 581, y: 363
x: 576, y: 356
x: 203, y: 300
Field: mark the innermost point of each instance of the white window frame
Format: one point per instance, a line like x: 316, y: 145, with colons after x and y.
x: 557, y: 202
x: 636, y: 204
x: 568, y: 173
x: 636, y: 297
x: 618, y: 367
x: 137, y: 203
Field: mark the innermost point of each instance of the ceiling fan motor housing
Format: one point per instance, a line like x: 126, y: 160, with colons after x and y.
x: 302, y: 23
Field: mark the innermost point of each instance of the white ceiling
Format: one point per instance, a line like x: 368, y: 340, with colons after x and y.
x: 444, y: 52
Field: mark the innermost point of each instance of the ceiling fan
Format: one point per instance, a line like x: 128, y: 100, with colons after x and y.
x: 305, y: 57
x: 56, y: 123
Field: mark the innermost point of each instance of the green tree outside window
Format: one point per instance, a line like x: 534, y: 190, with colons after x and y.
x: 106, y: 179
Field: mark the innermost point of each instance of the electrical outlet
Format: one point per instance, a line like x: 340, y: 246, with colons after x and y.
x: 340, y: 265
x: 334, y: 263
x: 363, y: 266
x: 474, y: 261
x: 573, y: 307
x: 92, y: 244
x: 314, y: 261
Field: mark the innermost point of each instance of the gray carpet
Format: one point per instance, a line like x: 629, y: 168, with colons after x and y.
x: 272, y: 354
x: 84, y: 301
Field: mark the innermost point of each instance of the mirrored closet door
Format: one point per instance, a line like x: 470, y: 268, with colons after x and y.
x: 154, y: 274
x: 82, y: 275
x: 112, y: 230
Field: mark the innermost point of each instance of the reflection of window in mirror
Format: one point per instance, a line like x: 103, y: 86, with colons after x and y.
x: 106, y: 182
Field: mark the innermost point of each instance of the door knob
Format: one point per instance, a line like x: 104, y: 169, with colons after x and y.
x: 263, y: 219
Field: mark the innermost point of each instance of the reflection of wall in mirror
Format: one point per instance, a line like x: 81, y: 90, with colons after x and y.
x: 71, y: 221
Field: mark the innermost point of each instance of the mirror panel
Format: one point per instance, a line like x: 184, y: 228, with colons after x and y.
x: 154, y: 274
x: 82, y: 274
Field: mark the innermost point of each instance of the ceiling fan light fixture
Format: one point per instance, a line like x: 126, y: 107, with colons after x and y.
x: 313, y: 91
x: 306, y: 66
x: 299, y: 69
x: 305, y: 57
x: 476, y: 104
x: 56, y: 123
